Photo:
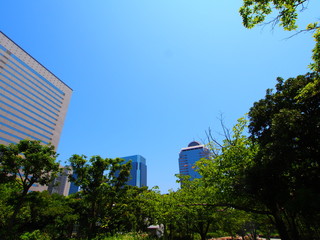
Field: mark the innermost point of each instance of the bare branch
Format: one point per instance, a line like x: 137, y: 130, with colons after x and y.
x: 303, y: 31
x: 303, y: 7
x: 275, y: 21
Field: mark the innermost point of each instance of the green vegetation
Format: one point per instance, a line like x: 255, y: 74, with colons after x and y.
x: 21, y: 166
x: 101, y: 192
x: 129, y: 236
x: 262, y: 179
x: 285, y: 13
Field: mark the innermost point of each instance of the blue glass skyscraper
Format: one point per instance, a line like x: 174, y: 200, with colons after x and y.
x: 138, y: 173
x: 189, y: 156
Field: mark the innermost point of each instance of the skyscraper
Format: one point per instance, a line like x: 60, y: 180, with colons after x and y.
x: 138, y: 173
x: 189, y: 156
x: 34, y: 101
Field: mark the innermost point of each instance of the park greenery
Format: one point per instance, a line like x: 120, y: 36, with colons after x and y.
x: 263, y: 179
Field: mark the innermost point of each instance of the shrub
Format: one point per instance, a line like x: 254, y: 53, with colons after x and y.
x: 35, y: 235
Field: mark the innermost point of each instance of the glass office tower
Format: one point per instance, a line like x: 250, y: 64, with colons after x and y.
x: 138, y: 173
x: 34, y: 101
x: 189, y: 156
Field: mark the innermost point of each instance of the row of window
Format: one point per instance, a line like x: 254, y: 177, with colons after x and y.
x: 35, y: 73
x: 20, y: 138
x: 6, y: 140
x: 40, y: 76
x: 33, y: 85
x: 28, y: 102
x: 26, y: 79
x: 24, y: 83
x: 24, y: 107
x: 27, y: 115
x: 25, y: 127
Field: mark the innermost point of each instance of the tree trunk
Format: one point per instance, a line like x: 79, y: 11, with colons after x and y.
x: 92, y: 222
x: 281, y: 227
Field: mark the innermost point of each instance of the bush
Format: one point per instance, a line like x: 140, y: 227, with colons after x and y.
x: 129, y: 236
x: 35, y: 235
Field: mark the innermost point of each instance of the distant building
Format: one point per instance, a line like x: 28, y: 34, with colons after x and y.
x: 73, y: 187
x: 61, y: 183
x: 189, y: 156
x: 138, y: 173
x: 34, y: 101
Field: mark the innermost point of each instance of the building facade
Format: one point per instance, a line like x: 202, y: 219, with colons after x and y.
x: 34, y: 101
x: 189, y: 156
x: 62, y: 185
x: 138, y: 173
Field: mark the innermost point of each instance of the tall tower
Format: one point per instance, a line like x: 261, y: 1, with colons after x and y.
x: 189, y: 156
x: 138, y: 173
x: 33, y: 102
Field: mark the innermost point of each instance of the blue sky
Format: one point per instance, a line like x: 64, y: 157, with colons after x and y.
x: 151, y: 76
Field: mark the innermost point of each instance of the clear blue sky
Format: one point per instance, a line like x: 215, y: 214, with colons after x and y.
x: 151, y: 76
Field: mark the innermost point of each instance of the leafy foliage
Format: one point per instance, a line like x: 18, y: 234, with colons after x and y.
x: 24, y: 164
x: 101, y: 182
x: 254, y: 12
x: 224, y: 172
x: 28, y: 162
x: 285, y: 174
x: 35, y: 235
x: 50, y: 214
x: 7, y: 196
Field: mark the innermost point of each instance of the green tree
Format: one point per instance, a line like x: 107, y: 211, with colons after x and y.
x: 102, y: 185
x: 199, y: 214
x: 163, y: 209
x: 7, y: 195
x: 224, y: 182
x: 26, y: 163
x: 223, y: 174
x: 53, y: 215
x: 254, y: 12
x: 286, y: 172
x: 132, y: 211
x: 286, y: 13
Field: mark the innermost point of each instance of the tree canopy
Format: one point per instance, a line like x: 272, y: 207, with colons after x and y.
x: 28, y: 162
x: 275, y: 169
x: 286, y: 170
x: 255, y: 12
x: 23, y: 164
x: 102, y: 185
x: 285, y: 13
